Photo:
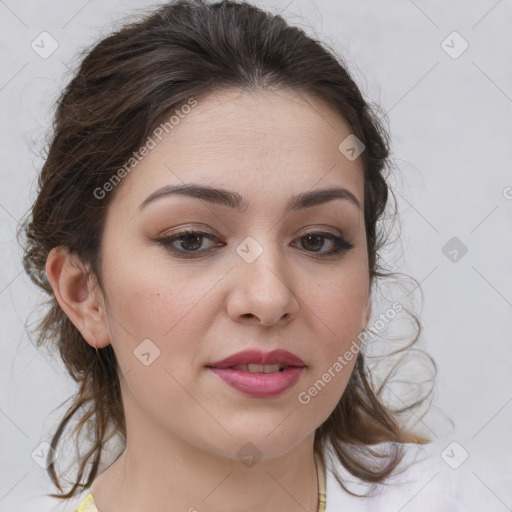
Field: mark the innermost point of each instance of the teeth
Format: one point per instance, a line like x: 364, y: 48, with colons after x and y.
x: 240, y: 367
x: 260, y: 368
x: 274, y: 368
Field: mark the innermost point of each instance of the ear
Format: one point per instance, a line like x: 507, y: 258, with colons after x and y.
x: 78, y: 296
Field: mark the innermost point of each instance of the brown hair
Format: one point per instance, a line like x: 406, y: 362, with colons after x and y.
x: 125, y: 87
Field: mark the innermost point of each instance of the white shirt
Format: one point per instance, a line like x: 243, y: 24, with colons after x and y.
x: 428, y: 484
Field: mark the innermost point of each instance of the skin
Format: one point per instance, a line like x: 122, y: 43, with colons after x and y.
x: 184, y: 424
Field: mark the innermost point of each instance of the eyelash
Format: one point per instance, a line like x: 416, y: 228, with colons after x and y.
x: 341, y: 245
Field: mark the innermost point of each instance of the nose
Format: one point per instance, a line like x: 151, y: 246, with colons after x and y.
x: 262, y: 293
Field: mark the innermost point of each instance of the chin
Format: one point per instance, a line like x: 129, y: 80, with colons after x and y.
x: 249, y: 445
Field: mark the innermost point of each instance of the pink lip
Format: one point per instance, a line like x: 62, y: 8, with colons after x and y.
x: 259, y: 357
x: 260, y: 384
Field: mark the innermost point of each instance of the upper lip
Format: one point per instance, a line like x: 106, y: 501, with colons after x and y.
x: 258, y: 357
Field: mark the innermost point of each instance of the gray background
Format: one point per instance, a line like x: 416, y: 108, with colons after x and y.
x: 450, y: 122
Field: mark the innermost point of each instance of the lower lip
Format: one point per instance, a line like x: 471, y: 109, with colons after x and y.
x: 260, y: 384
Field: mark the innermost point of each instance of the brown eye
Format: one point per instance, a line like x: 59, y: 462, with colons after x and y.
x: 188, y: 243
x: 313, y: 242
x: 191, y: 241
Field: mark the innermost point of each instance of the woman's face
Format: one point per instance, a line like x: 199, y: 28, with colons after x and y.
x: 257, y: 275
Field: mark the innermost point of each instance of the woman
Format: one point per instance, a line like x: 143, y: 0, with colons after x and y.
x: 207, y: 229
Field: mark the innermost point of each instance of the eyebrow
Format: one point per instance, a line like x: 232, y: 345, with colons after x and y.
x: 235, y: 200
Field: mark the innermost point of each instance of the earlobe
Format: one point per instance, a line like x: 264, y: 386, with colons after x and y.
x: 73, y: 290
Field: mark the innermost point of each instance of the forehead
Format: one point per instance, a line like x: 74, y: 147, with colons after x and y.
x: 264, y: 142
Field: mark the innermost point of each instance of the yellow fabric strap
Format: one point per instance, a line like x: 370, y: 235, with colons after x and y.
x: 89, y: 506
x: 322, y: 495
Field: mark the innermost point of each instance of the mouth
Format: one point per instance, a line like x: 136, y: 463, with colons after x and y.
x: 260, y: 368
x: 260, y: 374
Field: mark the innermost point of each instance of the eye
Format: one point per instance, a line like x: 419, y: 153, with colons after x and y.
x: 191, y: 243
x: 188, y: 242
x: 315, y: 241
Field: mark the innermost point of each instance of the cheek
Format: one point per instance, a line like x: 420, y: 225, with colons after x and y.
x: 147, y: 302
x: 340, y: 301
x: 152, y: 292
x: 339, y: 307
x: 155, y: 332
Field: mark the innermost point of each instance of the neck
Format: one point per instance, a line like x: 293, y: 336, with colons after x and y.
x: 160, y: 471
